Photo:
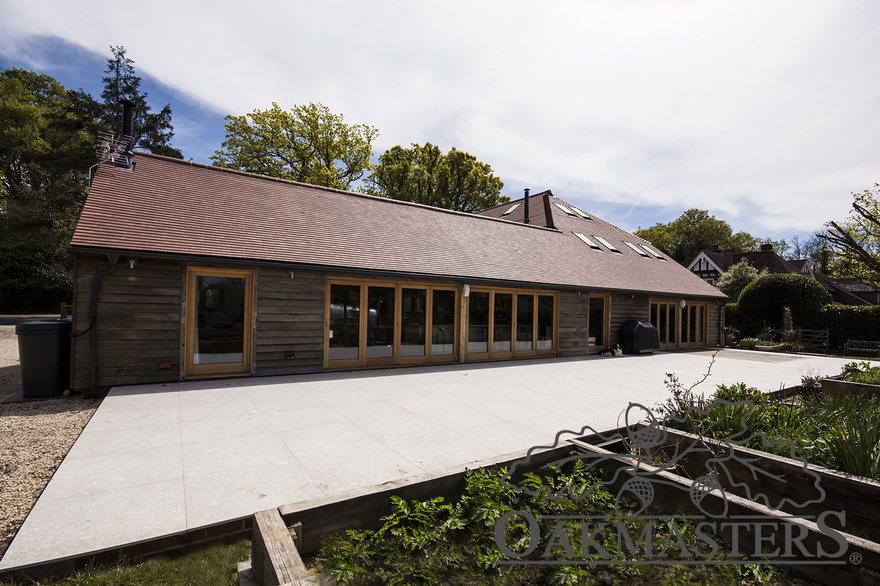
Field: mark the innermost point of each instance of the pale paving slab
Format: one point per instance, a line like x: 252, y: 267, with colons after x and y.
x: 160, y: 459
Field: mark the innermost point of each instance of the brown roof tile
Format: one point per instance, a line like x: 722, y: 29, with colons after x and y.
x: 169, y: 206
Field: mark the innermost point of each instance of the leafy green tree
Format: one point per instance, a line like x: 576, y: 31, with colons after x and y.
x: 152, y: 130
x: 424, y: 174
x: 737, y: 277
x: 694, y: 229
x: 855, y: 242
x: 763, y: 302
x: 47, y: 143
x: 307, y: 143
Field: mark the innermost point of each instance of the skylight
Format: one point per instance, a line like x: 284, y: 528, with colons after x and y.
x: 581, y: 214
x: 587, y: 241
x: 564, y: 209
x: 510, y: 209
x: 656, y: 254
x: 606, y: 244
x: 636, y: 248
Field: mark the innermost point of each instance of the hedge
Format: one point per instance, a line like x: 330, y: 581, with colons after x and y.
x: 849, y: 322
x: 762, y: 302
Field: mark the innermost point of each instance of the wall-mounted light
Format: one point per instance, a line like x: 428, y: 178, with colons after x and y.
x: 291, y: 274
x: 683, y: 303
x: 466, y: 291
x: 132, y: 262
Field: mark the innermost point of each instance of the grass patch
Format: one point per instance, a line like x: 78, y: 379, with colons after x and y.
x: 212, y: 566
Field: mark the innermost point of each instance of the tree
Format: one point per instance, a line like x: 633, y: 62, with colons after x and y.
x: 308, y: 143
x: 424, y: 174
x: 855, y: 243
x: 762, y: 303
x: 47, y: 143
x: 737, y: 277
x: 152, y: 130
x: 696, y: 229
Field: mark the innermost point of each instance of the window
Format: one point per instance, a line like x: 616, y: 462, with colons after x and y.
x: 478, y: 322
x: 606, y: 244
x: 654, y: 253
x: 636, y: 249
x: 510, y: 209
x: 510, y: 324
x: 381, y: 323
x: 598, y: 321
x: 587, y: 241
x: 564, y: 209
x: 581, y: 214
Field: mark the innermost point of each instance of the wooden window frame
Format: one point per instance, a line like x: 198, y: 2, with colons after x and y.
x: 223, y: 370
x: 362, y: 361
x: 535, y: 351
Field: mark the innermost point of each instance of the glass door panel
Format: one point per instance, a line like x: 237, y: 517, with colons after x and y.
x: 597, y: 323
x: 502, y: 330
x: 545, y: 322
x: 380, y: 322
x: 443, y: 323
x: 219, y: 322
x: 478, y: 323
x: 345, y: 322
x: 525, y: 322
x: 414, y: 314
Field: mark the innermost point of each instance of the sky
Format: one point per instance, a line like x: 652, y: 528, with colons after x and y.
x: 766, y: 113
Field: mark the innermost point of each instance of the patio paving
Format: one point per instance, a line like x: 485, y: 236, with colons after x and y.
x: 156, y: 460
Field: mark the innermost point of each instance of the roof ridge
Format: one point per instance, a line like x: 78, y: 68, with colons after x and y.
x: 367, y: 196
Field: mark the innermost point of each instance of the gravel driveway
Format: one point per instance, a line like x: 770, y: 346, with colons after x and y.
x: 34, y: 437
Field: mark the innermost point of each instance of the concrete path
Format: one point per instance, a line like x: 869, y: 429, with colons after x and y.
x: 157, y: 460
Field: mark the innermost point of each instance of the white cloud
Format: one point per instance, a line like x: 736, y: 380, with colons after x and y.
x: 762, y: 112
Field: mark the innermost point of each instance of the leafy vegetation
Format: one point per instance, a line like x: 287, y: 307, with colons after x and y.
x: 831, y: 430
x: 693, y: 229
x: 738, y: 277
x: 307, y: 143
x: 424, y: 174
x: 47, y: 144
x: 855, y: 242
x: 435, y: 542
x: 861, y: 372
x: 763, y: 302
x: 213, y: 566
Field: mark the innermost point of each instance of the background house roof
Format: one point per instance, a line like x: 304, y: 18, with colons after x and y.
x: 175, y: 207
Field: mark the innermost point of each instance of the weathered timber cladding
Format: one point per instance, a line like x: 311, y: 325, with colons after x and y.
x: 573, y: 311
x: 716, y: 328
x: 627, y: 306
x: 290, y: 317
x: 138, y: 323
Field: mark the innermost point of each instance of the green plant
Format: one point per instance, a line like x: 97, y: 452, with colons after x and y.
x: 211, y: 566
x: 748, y: 343
x: 762, y: 303
x: 861, y: 372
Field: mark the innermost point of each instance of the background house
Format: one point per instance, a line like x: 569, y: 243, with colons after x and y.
x: 187, y: 271
x: 709, y: 265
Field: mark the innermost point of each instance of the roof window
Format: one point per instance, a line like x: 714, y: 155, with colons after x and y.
x: 587, y: 241
x: 581, y: 214
x: 510, y: 209
x: 564, y: 209
x: 606, y: 244
x: 654, y: 253
x: 636, y: 248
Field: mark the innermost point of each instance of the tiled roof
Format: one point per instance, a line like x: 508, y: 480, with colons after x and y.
x: 170, y: 206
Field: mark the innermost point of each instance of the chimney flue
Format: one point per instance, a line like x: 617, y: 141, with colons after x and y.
x: 526, y: 206
x: 128, y: 120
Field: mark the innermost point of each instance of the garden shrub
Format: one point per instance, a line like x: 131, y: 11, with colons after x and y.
x: 849, y: 322
x: 762, y: 303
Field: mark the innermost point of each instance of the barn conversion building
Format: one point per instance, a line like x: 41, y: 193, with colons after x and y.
x: 186, y: 271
